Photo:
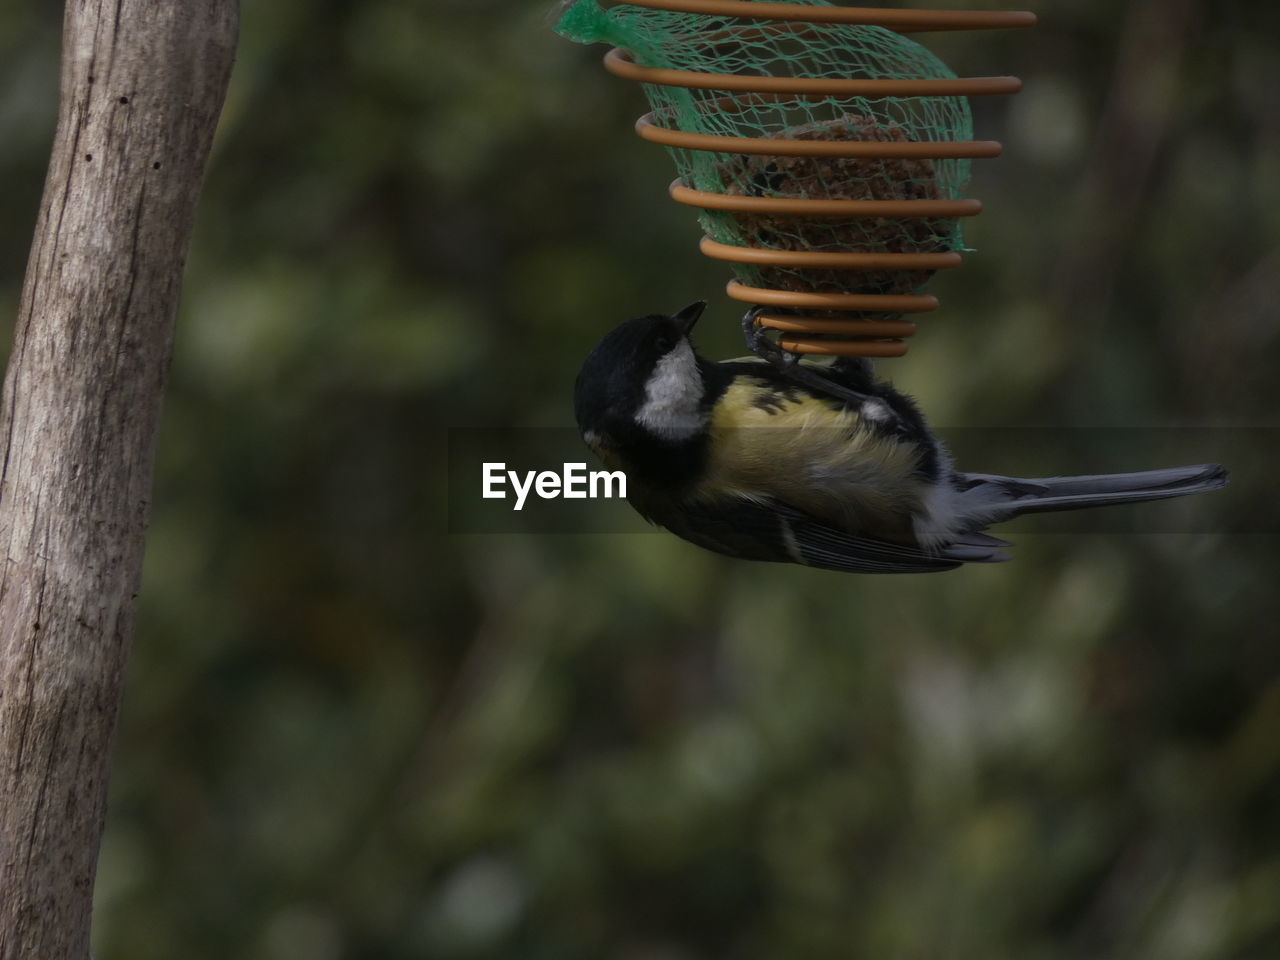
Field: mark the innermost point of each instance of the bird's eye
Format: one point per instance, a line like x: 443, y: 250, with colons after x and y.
x: 664, y: 342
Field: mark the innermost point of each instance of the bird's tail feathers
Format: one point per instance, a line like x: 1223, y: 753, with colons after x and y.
x: 993, y: 498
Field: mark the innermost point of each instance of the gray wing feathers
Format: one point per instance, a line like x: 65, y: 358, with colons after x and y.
x: 976, y: 548
x: 772, y: 530
x: 818, y: 545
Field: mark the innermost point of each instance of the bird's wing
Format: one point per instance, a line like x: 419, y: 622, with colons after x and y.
x: 771, y: 530
x: 844, y: 372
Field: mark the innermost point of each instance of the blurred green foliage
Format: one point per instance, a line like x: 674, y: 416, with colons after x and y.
x: 349, y: 734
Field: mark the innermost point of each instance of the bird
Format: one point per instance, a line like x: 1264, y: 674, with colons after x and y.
x: 805, y: 462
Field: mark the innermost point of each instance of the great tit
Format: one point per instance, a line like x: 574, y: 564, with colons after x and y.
x: 835, y: 469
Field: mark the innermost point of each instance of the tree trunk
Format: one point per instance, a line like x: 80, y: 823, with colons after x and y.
x: 143, y: 82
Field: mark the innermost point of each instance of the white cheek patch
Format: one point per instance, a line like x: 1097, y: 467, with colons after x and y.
x: 673, y: 395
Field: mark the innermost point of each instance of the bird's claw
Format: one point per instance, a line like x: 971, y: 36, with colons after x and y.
x: 762, y: 345
x: 767, y: 349
x: 755, y: 337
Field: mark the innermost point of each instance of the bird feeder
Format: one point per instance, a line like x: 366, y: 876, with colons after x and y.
x: 827, y: 153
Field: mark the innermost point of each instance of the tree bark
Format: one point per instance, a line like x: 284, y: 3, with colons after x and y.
x: 143, y: 82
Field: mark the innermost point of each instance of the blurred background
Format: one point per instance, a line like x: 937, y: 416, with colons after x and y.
x: 350, y: 733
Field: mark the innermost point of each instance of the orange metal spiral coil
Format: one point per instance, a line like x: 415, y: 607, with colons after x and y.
x: 828, y: 333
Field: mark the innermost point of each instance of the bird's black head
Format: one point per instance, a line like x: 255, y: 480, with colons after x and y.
x: 643, y: 379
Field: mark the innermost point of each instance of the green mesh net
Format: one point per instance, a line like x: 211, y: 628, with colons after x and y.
x: 751, y: 47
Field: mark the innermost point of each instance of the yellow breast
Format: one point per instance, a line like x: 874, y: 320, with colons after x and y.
x: 817, y: 456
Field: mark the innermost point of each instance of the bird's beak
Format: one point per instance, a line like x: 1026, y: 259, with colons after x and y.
x: 687, y: 317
